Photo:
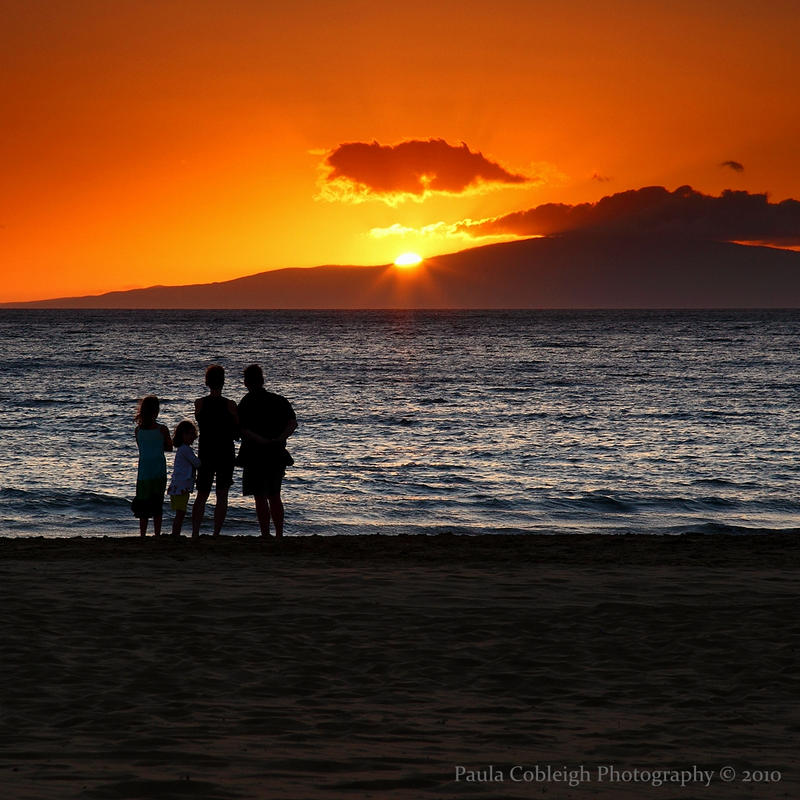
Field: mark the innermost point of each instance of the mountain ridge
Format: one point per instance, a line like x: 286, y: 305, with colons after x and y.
x: 571, y: 271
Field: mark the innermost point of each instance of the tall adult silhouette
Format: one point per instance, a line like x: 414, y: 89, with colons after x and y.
x: 218, y: 421
x: 266, y: 420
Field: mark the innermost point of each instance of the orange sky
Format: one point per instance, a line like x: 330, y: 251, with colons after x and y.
x: 173, y: 142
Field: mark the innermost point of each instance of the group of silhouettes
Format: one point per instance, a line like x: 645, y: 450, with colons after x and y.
x: 262, y: 421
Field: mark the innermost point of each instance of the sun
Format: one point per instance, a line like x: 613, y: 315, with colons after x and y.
x: 408, y: 260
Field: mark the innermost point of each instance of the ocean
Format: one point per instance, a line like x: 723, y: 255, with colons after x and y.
x: 530, y: 422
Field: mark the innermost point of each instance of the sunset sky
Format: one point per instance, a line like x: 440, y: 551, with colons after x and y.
x: 176, y: 142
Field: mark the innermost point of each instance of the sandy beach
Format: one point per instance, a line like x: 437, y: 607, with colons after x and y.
x: 376, y: 666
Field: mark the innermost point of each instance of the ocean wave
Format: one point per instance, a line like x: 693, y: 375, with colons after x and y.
x: 55, y: 499
x: 667, y: 505
x: 716, y: 482
x: 714, y: 502
x: 579, y: 345
x: 597, y: 502
x: 36, y: 402
x: 723, y: 527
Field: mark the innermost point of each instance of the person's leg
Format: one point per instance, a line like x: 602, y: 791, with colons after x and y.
x: 220, y: 509
x: 276, y: 511
x: 198, y: 509
x: 157, y: 525
x: 262, y: 512
x: 177, y: 523
x: 143, y: 526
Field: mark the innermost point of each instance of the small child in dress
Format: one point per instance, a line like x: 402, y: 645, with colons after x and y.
x: 186, y: 464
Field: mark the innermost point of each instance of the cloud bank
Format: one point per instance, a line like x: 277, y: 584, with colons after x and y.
x: 733, y: 216
x: 415, y: 169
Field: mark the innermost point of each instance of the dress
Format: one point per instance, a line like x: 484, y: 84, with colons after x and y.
x: 215, y: 448
x: 151, y: 479
x: 263, y: 466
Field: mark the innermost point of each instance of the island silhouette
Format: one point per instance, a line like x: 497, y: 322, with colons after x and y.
x: 580, y: 270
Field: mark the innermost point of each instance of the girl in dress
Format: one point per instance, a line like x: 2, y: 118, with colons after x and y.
x: 151, y: 480
x: 183, y: 472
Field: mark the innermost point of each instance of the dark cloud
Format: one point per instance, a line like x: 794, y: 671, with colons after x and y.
x: 357, y: 170
x: 734, y: 165
x: 601, y: 178
x: 734, y: 216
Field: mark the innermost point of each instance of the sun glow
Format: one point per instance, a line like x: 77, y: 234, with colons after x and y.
x: 408, y: 260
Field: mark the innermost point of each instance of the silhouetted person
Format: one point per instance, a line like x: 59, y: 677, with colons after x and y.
x: 153, y: 440
x: 219, y: 426
x: 183, y: 472
x: 266, y: 420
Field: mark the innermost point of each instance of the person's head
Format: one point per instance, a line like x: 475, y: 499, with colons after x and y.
x: 215, y: 376
x: 147, y: 411
x: 185, y: 433
x: 253, y: 377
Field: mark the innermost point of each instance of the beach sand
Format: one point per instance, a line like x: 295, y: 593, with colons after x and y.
x: 373, y: 666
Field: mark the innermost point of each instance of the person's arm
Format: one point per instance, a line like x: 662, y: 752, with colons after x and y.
x: 233, y: 410
x: 190, y: 456
x: 291, y: 423
x: 167, y: 438
x: 198, y: 404
x: 252, y: 436
x: 245, y: 434
x: 291, y: 427
x: 244, y: 418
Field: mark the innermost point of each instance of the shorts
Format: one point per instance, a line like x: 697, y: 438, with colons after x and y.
x: 223, y: 469
x: 262, y: 479
x: 179, y: 502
